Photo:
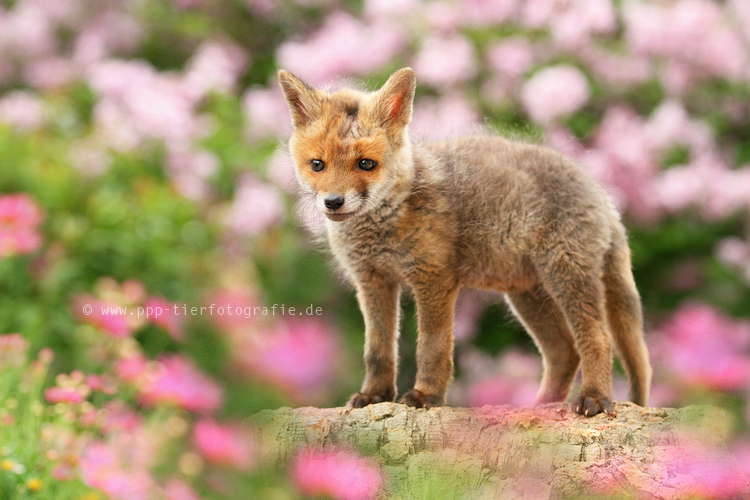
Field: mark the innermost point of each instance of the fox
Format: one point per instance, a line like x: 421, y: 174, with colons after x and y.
x: 476, y: 211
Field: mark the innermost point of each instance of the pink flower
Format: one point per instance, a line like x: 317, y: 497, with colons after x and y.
x: 438, y: 119
x: 445, y: 62
x: 102, y: 468
x: 223, y: 445
x: 13, y: 349
x: 337, y: 474
x: 487, y: 12
x: 177, y: 381
x: 705, y: 348
x: 176, y: 489
x: 241, y: 302
x: 22, y: 109
x: 296, y: 357
x: 267, y: 113
x: 63, y: 395
x: 511, y: 58
x: 555, y: 92
x: 164, y: 316
x: 131, y: 369
x: 215, y: 67
x: 108, y: 316
x: 571, y: 22
x: 20, y: 217
x: 343, y: 46
x: 256, y: 207
x: 191, y: 172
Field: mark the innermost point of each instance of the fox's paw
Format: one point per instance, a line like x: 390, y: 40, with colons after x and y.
x: 362, y: 399
x: 589, y: 405
x: 416, y: 399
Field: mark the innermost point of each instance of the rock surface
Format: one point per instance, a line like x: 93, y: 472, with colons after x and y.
x: 507, y: 453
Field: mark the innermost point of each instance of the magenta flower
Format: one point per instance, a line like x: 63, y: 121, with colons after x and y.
x: 161, y: 312
x: 554, y: 92
x: 296, y: 357
x: 63, y: 395
x: 705, y: 348
x: 256, y: 207
x: 223, y: 444
x: 108, y: 316
x: 102, y: 468
x: 177, y: 381
x: 337, y: 474
x: 20, y: 217
x: 131, y: 369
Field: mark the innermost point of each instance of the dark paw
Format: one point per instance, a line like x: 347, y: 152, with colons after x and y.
x: 590, y: 405
x: 362, y: 399
x: 416, y: 399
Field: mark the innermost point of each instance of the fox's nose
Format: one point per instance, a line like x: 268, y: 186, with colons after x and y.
x: 334, y: 201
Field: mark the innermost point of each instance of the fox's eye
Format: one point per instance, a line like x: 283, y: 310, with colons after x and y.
x: 317, y: 165
x: 367, y: 164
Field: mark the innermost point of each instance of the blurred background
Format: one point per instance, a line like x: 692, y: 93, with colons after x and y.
x: 142, y: 167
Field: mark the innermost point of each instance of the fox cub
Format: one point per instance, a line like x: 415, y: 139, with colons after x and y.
x: 480, y: 212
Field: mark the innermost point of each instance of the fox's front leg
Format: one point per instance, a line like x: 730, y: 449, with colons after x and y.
x: 435, y: 306
x: 379, y: 301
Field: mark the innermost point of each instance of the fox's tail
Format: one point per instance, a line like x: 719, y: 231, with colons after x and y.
x: 626, y: 318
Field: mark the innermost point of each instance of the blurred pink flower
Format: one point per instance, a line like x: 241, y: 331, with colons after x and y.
x: 13, y: 348
x: 131, y: 369
x: 50, y: 73
x: 335, y: 473
x: 555, y: 92
x: 177, y: 381
x: 691, y: 32
x: 616, y: 69
x: 101, y: 383
x: 241, y: 301
x: 215, y: 67
x: 571, y: 22
x: 267, y: 113
x: 445, y: 61
x: 281, y: 170
x: 108, y: 316
x: 22, y: 109
x: 296, y: 356
x: 343, y: 46
x: 451, y: 115
x: 20, y: 217
x: 256, y: 207
x: 501, y: 391
x: 137, y: 104
x: 223, y: 444
x: 63, y: 395
x: 393, y: 9
x: 102, y: 468
x: 191, y: 172
x: 165, y: 317
x: 511, y: 58
x: 487, y: 12
x: 736, y: 253
x: 466, y: 318
x: 511, y: 378
x: 112, y: 31
x: 175, y: 489
x: 699, y: 472
x: 703, y: 347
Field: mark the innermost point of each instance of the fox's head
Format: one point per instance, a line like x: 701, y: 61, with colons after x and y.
x: 351, y: 148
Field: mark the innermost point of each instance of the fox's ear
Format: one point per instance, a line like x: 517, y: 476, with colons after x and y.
x: 393, y: 102
x: 304, y: 101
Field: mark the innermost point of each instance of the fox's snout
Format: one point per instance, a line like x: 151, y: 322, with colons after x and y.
x: 334, y: 201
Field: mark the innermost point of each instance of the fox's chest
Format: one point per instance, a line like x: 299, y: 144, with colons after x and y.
x: 402, y: 245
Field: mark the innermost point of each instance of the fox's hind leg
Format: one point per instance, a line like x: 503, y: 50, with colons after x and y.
x: 546, y: 324
x: 574, y: 282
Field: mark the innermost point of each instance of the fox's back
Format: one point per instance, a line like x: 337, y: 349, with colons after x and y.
x: 510, y: 199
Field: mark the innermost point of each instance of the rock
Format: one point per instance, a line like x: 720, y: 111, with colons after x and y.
x: 507, y: 453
